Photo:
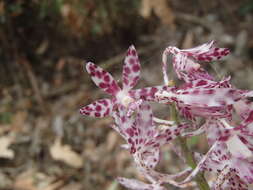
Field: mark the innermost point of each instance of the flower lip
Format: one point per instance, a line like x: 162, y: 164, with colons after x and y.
x: 124, y: 98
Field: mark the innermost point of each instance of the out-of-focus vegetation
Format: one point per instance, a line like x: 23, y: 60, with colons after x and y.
x: 38, y: 29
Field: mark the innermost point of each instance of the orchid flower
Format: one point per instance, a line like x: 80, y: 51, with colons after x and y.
x: 144, y: 140
x: 231, y: 154
x: 232, y: 172
x: 121, y: 96
x: 201, y: 95
x: 221, y: 130
x: 204, y: 98
x: 184, y: 61
x: 134, y: 184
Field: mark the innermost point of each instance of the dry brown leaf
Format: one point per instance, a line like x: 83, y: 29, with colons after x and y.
x: 4, y: 128
x: 55, y: 185
x: 25, y: 181
x: 65, y: 154
x: 146, y: 8
x: 74, y: 186
x: 160, y: 8
x: 5, y: 152
x: 188, y: 40
x: 34, y: 180
x: 112, y: 139
x: 18, y: 121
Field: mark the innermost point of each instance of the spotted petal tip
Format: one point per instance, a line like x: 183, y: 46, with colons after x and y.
x: 102, y: 78
x: 131, y: 69
x: 99, y: 108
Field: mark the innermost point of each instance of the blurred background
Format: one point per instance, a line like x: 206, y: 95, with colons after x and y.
x: 45, y: 144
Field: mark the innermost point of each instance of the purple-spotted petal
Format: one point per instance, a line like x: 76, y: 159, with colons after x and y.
x: 205, y: 83
x: 102, y: 79
x: 243, y: 108
x: 148, y: 93
x: 99, y: 108
x: 244, y: 169
x: 184, y: 61
x: 206, y: 52
x: 203, y: 97
x: 233, y: 181
x: 131, y: 69
x: 214, y: 130
x: 168, y: 134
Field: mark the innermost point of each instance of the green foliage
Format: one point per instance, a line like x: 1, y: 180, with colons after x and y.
x: 5, y: 118
x: 246, y: 7
x: 193, y: 141
x: 50, y: 7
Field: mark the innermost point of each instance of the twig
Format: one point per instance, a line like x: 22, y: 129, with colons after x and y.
x: 65, y: 88
x: 34, y: 82
x: 194, y: 19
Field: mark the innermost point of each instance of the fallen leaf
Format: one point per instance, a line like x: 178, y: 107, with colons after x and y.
x: 5, y: 152
x: 112, y: 140
x: 160, y: 8
x: 25, y: 181
x: 146, y: 8
x: 18, y: 121
x: 34, y: 180
x: 74, y: 186
x: 55, y: 185
x: 65, y: 154
x: 188, y: 40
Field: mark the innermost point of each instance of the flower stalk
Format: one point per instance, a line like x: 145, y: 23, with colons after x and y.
x: 188, y: 155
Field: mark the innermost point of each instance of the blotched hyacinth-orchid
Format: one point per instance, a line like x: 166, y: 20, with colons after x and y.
x: 184, y: 61
x: 201, y: 95
x: 144, y: 140
x: 121, y: 96
x: 231, y: 154
x: 231, y: 148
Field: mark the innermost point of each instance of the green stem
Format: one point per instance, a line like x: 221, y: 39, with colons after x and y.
x: 200, y: 179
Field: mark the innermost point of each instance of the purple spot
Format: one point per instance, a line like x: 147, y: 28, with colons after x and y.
x: 91, y: 68
x: 133, y: 52
x: 98, y: 74
x: 209, y: 91
x: 92, y: 74
x: 201, y: 83
x: 107, y: 112
x: 125, y: 81
x: 136, y: 68
x: 127, y: 70
x: 168, y: 139
x: 97, y: 114
x: 216, y: 53
x: 102, y: 85
x: 98, y: 108
x: 107, y: 78
x: 130, y: 132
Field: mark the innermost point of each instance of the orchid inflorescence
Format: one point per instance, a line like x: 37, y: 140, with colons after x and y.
x: 217, y: 102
